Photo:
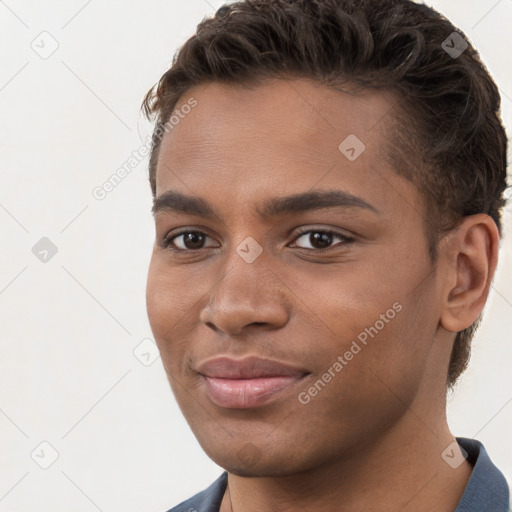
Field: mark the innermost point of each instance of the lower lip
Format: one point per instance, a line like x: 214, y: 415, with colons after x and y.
x: 246, y: 393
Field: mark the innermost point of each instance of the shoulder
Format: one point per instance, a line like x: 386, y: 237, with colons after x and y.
x: 205, y: 501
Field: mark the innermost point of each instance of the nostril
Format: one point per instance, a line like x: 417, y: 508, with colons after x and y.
x: 211, y: 326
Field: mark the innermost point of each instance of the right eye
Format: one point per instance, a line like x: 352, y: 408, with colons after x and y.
x: 190, y: 240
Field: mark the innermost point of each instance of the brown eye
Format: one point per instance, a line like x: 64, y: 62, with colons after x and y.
x: 186, y: 241
x: 322, y: 239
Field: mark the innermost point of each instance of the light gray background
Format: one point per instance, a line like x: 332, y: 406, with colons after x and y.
x: 68, y: 373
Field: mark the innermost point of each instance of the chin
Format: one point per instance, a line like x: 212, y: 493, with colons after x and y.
x: 272, y: 469
x: 250, y: 461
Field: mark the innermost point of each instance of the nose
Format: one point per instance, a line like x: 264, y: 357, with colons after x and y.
x: 246, y: 296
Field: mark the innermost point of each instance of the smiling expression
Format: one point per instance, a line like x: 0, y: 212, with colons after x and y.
x: 272, y: 244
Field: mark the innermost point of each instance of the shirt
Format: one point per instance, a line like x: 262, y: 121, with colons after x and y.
x: 486, y: 490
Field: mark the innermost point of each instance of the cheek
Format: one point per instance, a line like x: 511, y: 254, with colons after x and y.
x: 159, y: 305
x: 165, y: 308
x: 173, y: 304
x: 168, y: 298
x: 372, y: 384
x: 339, y: 303
x: 385, y: 352
x: 375, y: 317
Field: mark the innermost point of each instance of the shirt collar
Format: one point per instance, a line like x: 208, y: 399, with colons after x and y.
x: 487, y: 490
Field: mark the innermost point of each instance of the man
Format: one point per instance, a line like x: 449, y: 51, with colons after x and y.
x: 327, y: 178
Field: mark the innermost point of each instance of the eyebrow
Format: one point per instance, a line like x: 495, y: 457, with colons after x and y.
x: 172, y: 200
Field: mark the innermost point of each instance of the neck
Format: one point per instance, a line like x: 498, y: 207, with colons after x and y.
x: 403, y: 470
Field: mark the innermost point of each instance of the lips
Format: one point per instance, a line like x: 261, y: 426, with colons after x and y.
x: 247, y: 383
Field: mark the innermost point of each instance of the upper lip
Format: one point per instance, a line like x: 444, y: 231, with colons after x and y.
x: 247, y: 368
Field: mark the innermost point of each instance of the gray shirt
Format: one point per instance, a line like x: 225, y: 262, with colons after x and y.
x: 486, y: 491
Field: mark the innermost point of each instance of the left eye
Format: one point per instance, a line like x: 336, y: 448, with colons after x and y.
x: 320, y: 239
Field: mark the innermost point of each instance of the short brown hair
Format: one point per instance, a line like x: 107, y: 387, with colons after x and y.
x: 447, y: 138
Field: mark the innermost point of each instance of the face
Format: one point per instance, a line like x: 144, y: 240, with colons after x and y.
x: 290, y: 291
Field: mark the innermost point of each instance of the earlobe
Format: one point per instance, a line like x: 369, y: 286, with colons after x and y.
x: 473, y: 259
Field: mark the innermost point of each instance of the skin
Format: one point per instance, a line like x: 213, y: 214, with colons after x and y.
x: 372, y: 438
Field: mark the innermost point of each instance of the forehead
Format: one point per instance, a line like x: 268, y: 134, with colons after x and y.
x: 292, y: 113
x: 283, y: 135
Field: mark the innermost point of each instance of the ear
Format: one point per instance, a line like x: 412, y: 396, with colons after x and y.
x: 472, y: 258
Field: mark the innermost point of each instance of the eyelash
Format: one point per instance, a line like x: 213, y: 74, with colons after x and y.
x: 166, y: 243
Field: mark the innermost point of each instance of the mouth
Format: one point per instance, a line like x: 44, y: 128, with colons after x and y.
x: 247, y: 383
